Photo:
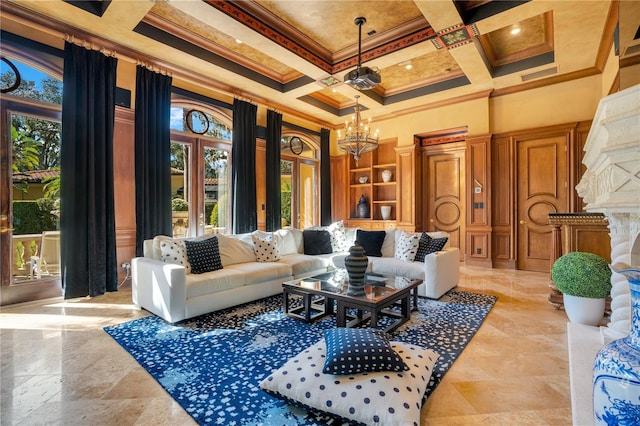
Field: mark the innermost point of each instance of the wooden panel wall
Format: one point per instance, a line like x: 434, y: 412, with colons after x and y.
x: 502, y: 241
x: 478, y: 215
x: 124, y: 184
x: 408, y: 186
x: 340, y: 188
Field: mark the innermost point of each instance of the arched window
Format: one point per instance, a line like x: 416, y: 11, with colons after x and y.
x: 299, y: 170
x: 200, y: 169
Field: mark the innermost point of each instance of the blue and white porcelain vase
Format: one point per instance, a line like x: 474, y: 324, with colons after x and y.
x: 616, y: 372
x: 356, y: 264
x: 362, y: 208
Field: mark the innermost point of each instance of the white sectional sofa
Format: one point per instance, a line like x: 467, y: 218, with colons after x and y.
x: 171, y: 292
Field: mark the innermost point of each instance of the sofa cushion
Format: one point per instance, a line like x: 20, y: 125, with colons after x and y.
x: 203, y: 255
x: 317, y: 241
x: 256, y: 273
x: 393, y: 266
x: 302, y: 264
x: 266, y: 249
x: 407, y: 246
x: 371, y: 241
x: 388, y: 248
x: 213, y: 282
x: 233, y: 250
x: 359, y: 350
x: 429, y: 245
x: 288, y: 241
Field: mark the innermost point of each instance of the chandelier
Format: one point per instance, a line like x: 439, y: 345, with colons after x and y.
x: 357, y: 138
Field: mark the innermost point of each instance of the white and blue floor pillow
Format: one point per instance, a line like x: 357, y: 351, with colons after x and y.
x: 370, y: 398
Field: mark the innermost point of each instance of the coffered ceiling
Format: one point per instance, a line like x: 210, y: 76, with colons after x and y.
x: 293, y: 55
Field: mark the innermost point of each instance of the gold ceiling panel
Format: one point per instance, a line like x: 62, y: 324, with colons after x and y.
x: 207, y: 32
x: 311, y: 18
x: 434, y: 66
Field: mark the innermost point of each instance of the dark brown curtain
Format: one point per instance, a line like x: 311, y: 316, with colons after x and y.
x: 87, y: 220
x: 152, y: 143
x: 274, y: 135
x: 243, y: 167
x: 325, y: 178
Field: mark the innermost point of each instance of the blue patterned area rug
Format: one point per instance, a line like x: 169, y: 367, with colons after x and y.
x: 212, y: 364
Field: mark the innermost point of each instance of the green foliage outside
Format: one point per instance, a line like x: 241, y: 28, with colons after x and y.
x: 285, y: 206
x: 582, y: 274
x: 208, y: 211
x: 218, y: 218
x: 34, y: 216
x: 179, y: 205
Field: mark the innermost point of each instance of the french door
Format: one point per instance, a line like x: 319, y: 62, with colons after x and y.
x: 30, y: 266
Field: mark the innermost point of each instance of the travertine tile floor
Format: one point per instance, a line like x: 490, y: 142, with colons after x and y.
x: 59, y: 367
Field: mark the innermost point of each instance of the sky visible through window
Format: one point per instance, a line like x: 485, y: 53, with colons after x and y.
x: 26, y: 72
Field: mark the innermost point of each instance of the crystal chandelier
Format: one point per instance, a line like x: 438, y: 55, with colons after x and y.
x: 357, y: 139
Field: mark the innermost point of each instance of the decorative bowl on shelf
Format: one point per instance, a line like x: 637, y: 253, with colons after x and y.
x: 363, y: 179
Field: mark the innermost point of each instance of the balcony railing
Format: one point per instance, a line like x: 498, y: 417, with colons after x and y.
x: 35, y: 255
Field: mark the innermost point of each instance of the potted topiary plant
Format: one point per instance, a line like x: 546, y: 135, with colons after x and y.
x: 584, y: 279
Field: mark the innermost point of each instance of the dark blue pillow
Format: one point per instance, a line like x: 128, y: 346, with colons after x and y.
x: 428, y: 245
x: 316, y: 241
x: 359, y: 350
x: 203, y: 255
x: 371, y: 241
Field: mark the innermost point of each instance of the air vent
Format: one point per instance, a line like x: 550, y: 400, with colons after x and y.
x: 540, y: 74
x: 632, y: 50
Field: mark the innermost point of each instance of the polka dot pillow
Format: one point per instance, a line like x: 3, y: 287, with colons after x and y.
x: 338, y: 236
x: 266, y: 249
x: 204, y: 255
x: 384, y: 397
x: 356, y: 350
x: 174, y: 252
x: 407, y: 246
x: 428, y: 245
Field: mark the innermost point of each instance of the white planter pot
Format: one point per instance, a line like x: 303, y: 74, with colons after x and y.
x: 583, y: 310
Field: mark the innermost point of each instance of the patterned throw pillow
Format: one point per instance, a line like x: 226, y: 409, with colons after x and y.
x: 173, y: 251
x: 203, y: 255
x: 358, y: 350
x: 338, y: 236
x: 429, y: 245
x: 407, y: 246
x: 266, y: 249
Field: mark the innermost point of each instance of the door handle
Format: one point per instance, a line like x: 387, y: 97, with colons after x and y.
x: 523, y: 222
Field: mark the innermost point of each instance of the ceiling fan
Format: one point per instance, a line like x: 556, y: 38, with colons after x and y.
x: 362, y: 78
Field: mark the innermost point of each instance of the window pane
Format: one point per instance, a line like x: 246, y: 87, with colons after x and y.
x: 286, y: 203
x: 34, y: 85
x: 307, y: 197
x: 35, y: 198
x: 216, y: 191
x: 180, y: 189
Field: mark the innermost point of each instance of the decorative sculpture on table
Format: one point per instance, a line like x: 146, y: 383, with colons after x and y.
x: 356, y: 265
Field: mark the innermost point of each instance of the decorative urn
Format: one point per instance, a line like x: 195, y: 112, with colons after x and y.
x: 362, y: 209
x: 356, y: 264
x: 616, y: 371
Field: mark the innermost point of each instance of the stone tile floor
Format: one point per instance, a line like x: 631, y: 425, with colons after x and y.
x: 59, y: 367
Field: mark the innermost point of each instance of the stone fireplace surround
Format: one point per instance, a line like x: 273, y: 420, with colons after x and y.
x: 610, y: 185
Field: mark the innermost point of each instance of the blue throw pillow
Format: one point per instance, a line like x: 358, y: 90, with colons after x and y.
x: 316, y: 241
x: 203, y: 255
x: 428, y: 245
x: 371, y: 241
x: 359, y: 350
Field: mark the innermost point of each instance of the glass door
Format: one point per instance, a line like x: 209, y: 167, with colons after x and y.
x: 30, y: 268
x: 299, y: 179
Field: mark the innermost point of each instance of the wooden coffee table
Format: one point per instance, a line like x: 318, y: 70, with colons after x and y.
x: 322, y: 292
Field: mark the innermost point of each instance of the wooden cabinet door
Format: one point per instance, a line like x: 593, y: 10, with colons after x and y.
x: 446, y: 185
x: 541, y: 189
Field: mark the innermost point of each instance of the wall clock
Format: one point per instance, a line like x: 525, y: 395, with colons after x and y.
x: 197, y: 121
x: 296, y: 145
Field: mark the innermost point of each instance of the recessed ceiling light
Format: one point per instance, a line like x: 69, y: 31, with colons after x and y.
x: 515, y: 30
x: 238, y: 41
x: 406, y: 64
